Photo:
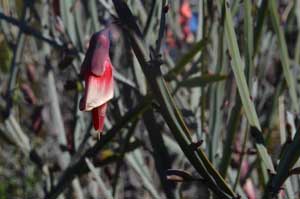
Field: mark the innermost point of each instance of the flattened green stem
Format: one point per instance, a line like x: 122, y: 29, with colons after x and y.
x: 249, y: 109
x: 284, y: 56
x: 262, y: 12
x: 176, y: 123
x: 232, y: 129
x: 237, y: 67
x: 162, y: 26
x: 173, y: 117
x: 248, y: 30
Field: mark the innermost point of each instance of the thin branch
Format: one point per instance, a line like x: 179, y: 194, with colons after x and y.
x: 162, y: 26
x: 25, y: 28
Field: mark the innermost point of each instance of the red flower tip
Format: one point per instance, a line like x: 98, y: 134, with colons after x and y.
x: 99, y: 116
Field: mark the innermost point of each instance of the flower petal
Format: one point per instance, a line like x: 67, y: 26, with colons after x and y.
x: 99, y: 116
x: 99, y: 89
x: 101, y: 53
x: 85, y: 66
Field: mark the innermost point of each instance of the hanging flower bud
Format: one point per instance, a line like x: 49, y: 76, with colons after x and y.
x: 97, y: 71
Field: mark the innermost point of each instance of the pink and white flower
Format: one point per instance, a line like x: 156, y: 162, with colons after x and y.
x: 97, y: 71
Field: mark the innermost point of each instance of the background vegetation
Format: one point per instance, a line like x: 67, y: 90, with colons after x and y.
x: 206, y: 99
